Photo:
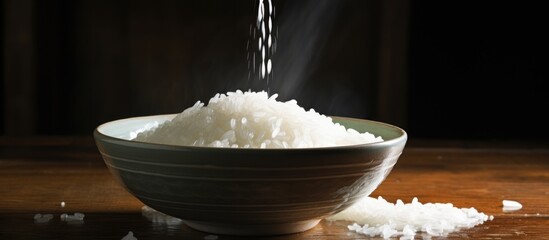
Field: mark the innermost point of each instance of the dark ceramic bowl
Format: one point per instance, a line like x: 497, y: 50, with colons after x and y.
x: 239, y: 191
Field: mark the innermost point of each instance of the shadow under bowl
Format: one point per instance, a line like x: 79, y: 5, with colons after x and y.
x: 238, y: 191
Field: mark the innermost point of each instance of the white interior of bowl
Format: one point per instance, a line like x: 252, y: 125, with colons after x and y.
x: 129, y: 128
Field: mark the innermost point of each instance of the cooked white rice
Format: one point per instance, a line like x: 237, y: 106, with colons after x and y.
x: 377, y: 217
x: 252, y: 120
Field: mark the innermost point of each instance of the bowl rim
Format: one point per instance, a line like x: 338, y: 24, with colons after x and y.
x: 98, y: 135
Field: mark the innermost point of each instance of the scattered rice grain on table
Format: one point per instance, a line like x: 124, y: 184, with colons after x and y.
x: 129, y: 236
x: 510, y: 205
x: 159, y: 217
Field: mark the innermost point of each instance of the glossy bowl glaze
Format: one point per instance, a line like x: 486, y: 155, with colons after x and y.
x: 248, y: 191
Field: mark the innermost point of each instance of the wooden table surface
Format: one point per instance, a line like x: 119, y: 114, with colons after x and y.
x: 37, y: 174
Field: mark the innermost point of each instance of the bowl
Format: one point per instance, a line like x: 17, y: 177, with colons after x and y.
x: 237, y: 191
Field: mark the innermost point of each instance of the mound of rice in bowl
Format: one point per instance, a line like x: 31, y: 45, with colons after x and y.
x: 252, y: 120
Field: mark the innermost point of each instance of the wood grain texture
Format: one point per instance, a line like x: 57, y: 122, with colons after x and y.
x: 36, y: 174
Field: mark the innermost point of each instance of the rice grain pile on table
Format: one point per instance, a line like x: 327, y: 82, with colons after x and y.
x: 252, y: 120
x: 377, y: 217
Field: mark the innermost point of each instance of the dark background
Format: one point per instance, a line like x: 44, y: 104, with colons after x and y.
x: 438, y: 69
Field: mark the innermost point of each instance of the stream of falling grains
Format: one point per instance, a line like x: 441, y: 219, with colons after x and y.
x: 264, y: 33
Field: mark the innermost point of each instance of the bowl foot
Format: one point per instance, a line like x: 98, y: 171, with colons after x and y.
x: 252, y: 229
